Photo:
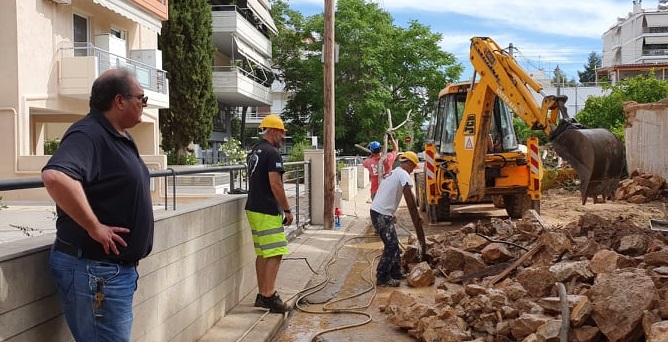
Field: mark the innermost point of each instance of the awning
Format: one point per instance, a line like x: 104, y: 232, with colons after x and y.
x: 263, y: 13
x: 133, y: 13
x: 248, y: 52
x: 656, y: 40
x: 658, y: 20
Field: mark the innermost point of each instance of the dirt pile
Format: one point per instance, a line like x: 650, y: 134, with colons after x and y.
x: 504, y: 280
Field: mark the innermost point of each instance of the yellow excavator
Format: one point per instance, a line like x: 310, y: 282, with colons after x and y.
x: 472, y: 154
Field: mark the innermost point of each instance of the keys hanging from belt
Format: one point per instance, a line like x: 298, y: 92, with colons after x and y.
x: 99, y: 295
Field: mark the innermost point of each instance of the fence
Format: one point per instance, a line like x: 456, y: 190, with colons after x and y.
x: 296, y: 183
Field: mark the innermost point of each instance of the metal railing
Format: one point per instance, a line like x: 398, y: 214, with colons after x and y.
x: 297, y: 184
x: 149, y: 77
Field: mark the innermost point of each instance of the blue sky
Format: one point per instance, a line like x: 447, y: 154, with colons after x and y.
x: 546, y: 34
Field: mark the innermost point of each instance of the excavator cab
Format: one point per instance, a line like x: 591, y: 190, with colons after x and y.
x: 448, y: 115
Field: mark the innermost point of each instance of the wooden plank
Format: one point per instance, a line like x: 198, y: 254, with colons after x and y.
x: 415, y: 217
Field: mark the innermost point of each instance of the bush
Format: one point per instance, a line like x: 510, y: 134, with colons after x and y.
x: 234, y: 153
x: 524, y: 132
x: 188, y: 159
x: 50, y: 146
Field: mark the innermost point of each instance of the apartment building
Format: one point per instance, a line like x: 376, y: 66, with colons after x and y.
x: 636, y: 44
x: 52, y: 51
x: 242, y: 77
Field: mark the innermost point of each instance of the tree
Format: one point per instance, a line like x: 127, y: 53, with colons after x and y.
x: 608, y: 111
x: 589, y: 73
x: 380, y: 67
x: 560, y: 78
x: 187, y: 49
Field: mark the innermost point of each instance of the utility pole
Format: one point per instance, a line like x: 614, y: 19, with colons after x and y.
x: 330, y: 170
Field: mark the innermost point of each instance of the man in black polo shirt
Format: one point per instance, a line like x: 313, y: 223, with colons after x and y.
x: 265, y: 208
x: 105, y: 217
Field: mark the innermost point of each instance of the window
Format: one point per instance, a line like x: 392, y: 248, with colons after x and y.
x: 80, y: 35
x: 118, y: 33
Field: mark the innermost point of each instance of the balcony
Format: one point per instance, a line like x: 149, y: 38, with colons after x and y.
x: 80, y: 66
x: 235, y: 86
x: 231, y: 24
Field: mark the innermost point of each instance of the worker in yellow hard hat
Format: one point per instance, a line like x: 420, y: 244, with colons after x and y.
x: 268, y: 210
x: 383, y: 207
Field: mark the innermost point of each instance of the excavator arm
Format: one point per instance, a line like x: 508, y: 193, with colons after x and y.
x: 595, y: 154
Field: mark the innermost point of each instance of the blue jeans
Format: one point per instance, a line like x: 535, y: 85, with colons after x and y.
x: 390, y: 262
x: 81, y: 283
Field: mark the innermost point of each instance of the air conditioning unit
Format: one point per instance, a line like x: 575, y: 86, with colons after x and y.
x: 63, y: 2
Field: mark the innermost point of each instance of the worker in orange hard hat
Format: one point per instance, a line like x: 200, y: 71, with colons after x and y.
x: 268, y: 210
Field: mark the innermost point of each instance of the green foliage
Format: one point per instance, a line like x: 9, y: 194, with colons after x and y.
x: 381, y: 66
x: 608, y: 112
x: 234, y: 153
x: 589, y: 73
x: 50, y: 146
x: 524, y: 132
x: 187, y: 48
x: 297, y: 152
x: 187, y: 159
x: 2, y: 205
x: 560, y: 79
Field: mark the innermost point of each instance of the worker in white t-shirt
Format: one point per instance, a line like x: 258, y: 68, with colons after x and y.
x: 383, y: 207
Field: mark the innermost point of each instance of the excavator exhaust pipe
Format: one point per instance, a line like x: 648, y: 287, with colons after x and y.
x: 596, y: 155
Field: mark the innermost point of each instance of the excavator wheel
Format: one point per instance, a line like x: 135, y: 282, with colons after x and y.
x: 518, y: 204
x: 440, y: 212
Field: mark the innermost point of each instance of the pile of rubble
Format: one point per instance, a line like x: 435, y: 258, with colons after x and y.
x: 590, y: 280
x: 641, y: 188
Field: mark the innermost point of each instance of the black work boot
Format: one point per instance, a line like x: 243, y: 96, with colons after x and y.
x: 273, y: 303
x: 390, y: 282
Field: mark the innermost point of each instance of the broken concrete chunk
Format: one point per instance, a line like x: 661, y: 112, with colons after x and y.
x: 619, y: 300
x: 421, y: 275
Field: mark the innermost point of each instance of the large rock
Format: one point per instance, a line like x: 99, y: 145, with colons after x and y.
x: 527, y: 324
x: 439, y: 328
x: 421, y: 276
x: 567, y: 270
x: 403, y: 311
x: 606, y: 261
x: 618, y: 301
x: 538, y: 281
x: 658, y: 332
x: 457, y: 259
x: 495, y: 253
x: 659, y: 258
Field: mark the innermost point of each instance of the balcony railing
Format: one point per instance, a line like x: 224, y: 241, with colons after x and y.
x: 659, y: 29
x: 149, y: 78
x: 264, y: 82
x: 247, y: 13
x: 655, y: 52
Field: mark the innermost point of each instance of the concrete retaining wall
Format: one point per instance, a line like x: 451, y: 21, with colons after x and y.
x: 201, y: 266
x: 646, y: 137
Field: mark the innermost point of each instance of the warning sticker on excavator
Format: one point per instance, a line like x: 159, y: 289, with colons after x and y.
x: 468, y: 143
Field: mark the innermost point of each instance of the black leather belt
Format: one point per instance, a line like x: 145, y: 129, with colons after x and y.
x: 77, y: 252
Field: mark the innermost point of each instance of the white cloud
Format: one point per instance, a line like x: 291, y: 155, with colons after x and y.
x: 588, y: 18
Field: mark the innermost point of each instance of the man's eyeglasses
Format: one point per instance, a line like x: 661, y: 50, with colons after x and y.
x: 142, y: 98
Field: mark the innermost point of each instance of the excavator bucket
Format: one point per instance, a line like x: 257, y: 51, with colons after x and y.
x: 596, y: 155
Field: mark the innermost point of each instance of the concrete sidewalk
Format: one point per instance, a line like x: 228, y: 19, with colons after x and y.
x: 313, y: 246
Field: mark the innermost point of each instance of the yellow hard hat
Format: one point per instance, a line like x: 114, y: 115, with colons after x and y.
x: 410, y: 156
x: 272, y: 121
